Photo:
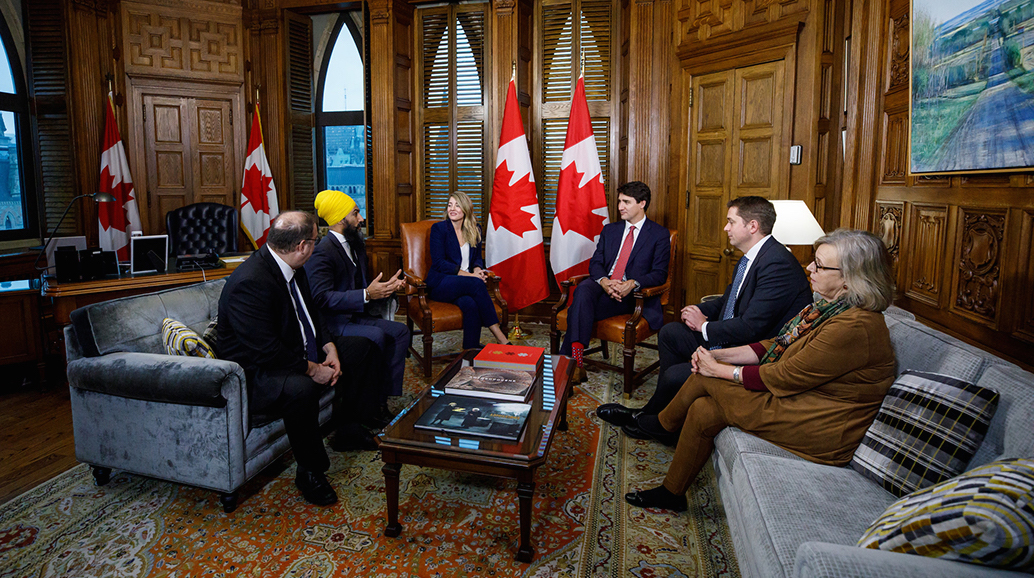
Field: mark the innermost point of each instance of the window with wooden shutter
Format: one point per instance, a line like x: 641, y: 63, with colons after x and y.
x: 452, y: 105
x: 300, y: 144
x: 571, y: 30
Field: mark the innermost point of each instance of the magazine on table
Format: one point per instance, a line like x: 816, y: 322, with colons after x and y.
x: 501, y: 384
x: 475, y: 416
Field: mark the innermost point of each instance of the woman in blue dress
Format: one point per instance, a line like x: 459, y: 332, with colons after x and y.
x: 457, y: 273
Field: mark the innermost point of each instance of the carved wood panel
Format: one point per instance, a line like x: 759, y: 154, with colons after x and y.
x: 1023, y: 321
x: 925, y: 257
x: 757, y: 132
x: 977, y: 277
x: 898, y: 77
x: 190, y: 40
x: 895, y: 147
x: 889, y: 220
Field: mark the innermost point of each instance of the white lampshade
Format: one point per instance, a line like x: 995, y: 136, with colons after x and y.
x: 795, y: 225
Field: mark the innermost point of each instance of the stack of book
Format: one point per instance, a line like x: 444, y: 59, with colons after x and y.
x: 490, y: 398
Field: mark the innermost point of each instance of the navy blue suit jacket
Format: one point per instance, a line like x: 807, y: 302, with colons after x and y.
x: 257, y: 325
x: 648, y: 263
x: 335, y: 288
x: 774, y: 290
x: 446, y: 256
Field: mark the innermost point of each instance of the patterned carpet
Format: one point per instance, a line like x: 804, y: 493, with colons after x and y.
x: 453, y: 524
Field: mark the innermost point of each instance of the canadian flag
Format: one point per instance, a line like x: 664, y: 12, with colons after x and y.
x: 513, y: 244
x: 258, y: 195
x: 116, y: 219
x: 581, y: 201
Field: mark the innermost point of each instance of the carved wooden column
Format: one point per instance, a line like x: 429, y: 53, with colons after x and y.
x: 651, y: 60
x: 90, y: 59
x: 511, y: 43
x: 265, y: 70
x: 390, y: 193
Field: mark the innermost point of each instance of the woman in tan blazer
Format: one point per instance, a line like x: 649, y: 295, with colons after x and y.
x: 813, y: 390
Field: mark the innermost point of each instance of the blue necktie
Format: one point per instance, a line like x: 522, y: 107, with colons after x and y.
x: 730, y: 304
x: 310, y: 337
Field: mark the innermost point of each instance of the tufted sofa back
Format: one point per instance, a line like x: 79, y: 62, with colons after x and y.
x: 202, y: 228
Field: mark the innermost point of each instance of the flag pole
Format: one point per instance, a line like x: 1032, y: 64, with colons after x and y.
x: 516, y: 332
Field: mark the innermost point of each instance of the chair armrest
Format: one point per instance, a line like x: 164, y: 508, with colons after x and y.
x: 161, y: 378
x: 574, y: 280
x: 653, y: 291
x: 493, y: 281
x: 824, y: 560
x: 415, y: 285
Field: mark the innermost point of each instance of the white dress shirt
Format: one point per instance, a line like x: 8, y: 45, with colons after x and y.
x: 288, y: 273
x: 749, y: 256
x: 635, y: 237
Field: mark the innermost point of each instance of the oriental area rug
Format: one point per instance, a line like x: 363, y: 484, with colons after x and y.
x: 453, y: 524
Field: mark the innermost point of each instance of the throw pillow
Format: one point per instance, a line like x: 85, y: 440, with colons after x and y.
x: 182, y: 340
x: 926, y: 431
x: 210, y: 332
x: 985, y: 516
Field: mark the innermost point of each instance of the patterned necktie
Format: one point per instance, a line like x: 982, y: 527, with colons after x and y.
x: 626, y: 250
x: 730, y: 305
x: 310, y: 337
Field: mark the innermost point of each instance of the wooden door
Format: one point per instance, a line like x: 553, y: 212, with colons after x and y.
x: 189, y: 154
x: 735, y: 149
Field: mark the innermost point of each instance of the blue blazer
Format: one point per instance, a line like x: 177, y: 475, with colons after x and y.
x: 774, y: 290
x: 648, y: 263
x: 332, y: 278
x: 446, y: 256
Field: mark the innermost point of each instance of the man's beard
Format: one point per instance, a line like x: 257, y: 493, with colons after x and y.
x: 354, y: 236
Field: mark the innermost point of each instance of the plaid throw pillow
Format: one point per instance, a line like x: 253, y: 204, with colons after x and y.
x: 211, y: 332
x: 182, y: 340
x: 926, y: 431
x: 985, y: 516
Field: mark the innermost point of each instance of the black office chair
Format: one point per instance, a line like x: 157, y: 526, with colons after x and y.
x: 202, y: 228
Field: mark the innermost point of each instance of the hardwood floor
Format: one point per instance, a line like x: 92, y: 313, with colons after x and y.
x: 36, y: 441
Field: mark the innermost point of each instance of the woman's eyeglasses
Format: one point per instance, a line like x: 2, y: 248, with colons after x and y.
x: 822, y: 268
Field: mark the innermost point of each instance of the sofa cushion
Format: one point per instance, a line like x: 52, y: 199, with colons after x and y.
x: 921, y: 348
x: 786, y: 502
x: 985, y: 516
x: 733, y: 442
x: 926, y: 431
x: 182, y: 340
x: 1011, y: 434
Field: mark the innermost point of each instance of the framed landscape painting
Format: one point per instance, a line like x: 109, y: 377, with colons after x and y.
x: 972, y: 91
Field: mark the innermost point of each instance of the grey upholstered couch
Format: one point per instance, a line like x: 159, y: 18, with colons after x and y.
x: 790, y: 517
x: 182, y: 419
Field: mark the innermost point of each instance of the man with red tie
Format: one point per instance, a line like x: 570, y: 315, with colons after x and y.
x: 630, y: 254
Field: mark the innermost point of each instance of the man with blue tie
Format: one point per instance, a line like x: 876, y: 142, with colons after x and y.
x: 269, y: 325
x: 630, y: 254
x: 350, y: 302
x: 769, y: 287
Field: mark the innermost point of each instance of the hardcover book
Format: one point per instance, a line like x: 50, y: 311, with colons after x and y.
x: 501, y: 384
x: 473, y: 416
x: 520, y: 357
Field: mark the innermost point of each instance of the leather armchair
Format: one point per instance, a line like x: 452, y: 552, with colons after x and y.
x: 630, y: 330
x: 429, y: 315
x: 202, y: 228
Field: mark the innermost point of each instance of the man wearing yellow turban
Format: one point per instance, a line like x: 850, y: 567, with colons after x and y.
x: 351, y: 303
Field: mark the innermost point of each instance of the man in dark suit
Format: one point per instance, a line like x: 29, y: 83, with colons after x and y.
x: 350, y: 305
x: 630, y: 254
x: 768, y: 289
x: 269, y: 325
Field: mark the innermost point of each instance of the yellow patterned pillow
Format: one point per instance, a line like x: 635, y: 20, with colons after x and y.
x: 182, y: 340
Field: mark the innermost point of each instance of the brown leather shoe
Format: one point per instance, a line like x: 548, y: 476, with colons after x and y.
x: 579, y: 375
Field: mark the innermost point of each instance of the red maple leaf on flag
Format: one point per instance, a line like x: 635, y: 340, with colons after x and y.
x: 123, y: 193
x: 570, y: 208
x: 255, y: 189
x: 506, y: 209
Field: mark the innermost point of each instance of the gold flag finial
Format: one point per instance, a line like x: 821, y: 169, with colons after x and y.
x: 513, y: 71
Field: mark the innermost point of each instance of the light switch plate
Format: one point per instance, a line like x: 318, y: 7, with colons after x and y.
x: 795, y: 155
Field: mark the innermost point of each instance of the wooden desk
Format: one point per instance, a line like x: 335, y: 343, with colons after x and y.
x: 21, y: 340
x: 67, y: 297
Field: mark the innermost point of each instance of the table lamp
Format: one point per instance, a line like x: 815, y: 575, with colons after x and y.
x: 97, y: 198
x: 795, y: 225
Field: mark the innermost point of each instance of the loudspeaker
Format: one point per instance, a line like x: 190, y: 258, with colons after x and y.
x: 66, y: 261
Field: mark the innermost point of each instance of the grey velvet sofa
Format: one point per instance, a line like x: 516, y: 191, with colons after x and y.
x: 181, y: 419
x: 790, y: 517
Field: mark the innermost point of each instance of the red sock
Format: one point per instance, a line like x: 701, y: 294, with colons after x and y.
x: 576, y: 352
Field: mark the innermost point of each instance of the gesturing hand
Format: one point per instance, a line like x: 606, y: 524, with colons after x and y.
x: 380, y: 289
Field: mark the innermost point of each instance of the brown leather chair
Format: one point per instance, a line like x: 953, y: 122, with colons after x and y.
x: 629, y: 330
x: 432, y: 316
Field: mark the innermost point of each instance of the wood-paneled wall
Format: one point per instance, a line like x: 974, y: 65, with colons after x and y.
x: 962, y: 244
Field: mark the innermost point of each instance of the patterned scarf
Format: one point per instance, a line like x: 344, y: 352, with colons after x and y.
x: 809, y: 318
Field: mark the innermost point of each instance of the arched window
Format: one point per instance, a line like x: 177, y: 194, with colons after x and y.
x: 340, y: 113
x: 17, y: 195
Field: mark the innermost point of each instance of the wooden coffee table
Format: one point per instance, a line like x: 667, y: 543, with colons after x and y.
x: 401, y: 444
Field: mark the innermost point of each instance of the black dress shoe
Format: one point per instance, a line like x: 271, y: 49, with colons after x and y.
x: 616, y: 414
x: 315, y: 488
x: 352, y: 437
x: 648, y: 427
x: 658, y: 497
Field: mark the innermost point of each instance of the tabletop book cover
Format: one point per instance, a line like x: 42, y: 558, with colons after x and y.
x: 502, y: 384
x: 519, y: 357
x: 475, y: 416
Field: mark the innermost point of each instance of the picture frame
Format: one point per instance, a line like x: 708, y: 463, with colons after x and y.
x: 971, y: 86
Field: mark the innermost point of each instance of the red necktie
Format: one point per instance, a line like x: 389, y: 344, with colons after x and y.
x: 626, y: 250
